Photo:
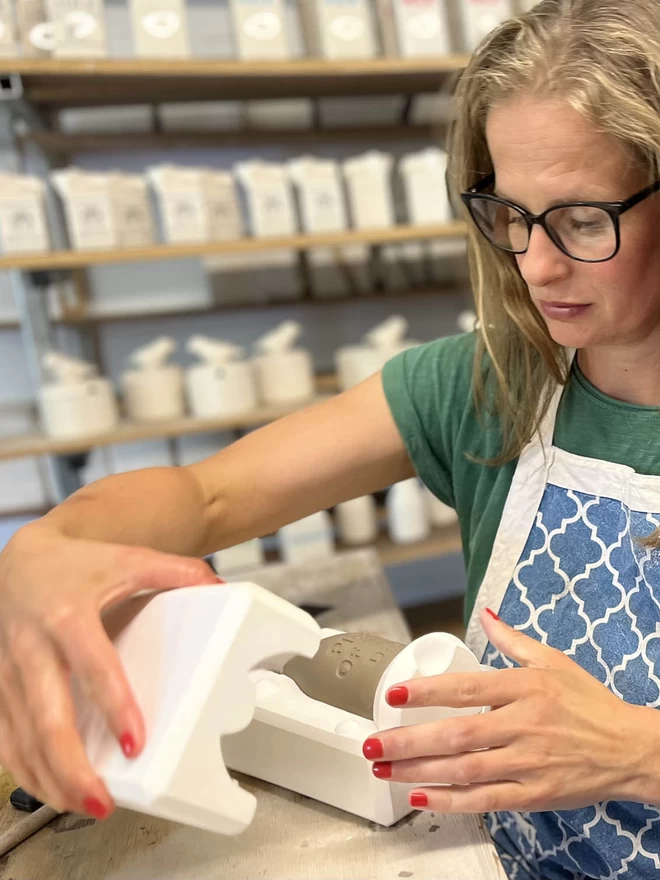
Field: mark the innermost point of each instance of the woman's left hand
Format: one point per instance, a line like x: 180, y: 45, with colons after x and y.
x: 557, y: 740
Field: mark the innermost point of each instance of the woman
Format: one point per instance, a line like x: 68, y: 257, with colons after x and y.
x: 552, y: 463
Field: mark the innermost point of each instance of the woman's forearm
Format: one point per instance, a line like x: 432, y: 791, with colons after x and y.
x: 308, y: 461
x: 162, y: 508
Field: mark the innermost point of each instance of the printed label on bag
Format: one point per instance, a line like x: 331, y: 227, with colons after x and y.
x: 162, y: 25
x: 80, y: 25
x: 262, y: 26
x: 42, y: 36
x: 347, y: 27
x: 425, y: 26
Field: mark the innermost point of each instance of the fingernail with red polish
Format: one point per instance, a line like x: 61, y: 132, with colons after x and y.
x: 127, y: 743
x: 221, y: 580
x: 372, y: 749
x: 95, y: 808
x: 398, y: 695
x: 383, y: 770
x: 492, y: 613
x: 419, y: 799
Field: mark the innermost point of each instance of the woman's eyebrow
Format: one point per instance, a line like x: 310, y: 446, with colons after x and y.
x: 567, y: 199
x: 501, y: 195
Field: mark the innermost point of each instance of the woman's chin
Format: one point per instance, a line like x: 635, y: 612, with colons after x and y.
x: 571, y: 337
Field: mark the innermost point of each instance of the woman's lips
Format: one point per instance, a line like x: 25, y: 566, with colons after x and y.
x: 563, y: 311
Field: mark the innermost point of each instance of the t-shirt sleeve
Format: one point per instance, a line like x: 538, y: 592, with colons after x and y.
x: 429, y: 389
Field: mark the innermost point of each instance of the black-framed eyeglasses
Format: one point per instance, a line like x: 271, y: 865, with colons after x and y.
x: 589, y: 232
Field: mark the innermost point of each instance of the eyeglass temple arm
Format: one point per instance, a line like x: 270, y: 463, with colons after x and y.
x: 483, y: 184
x: 640, y: 196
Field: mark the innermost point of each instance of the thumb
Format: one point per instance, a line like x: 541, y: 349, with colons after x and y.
x: 519, y: 647
x: 166, y: 571
x: 143, y: 569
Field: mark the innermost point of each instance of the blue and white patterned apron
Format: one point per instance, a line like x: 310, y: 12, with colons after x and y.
x: 567, y: 570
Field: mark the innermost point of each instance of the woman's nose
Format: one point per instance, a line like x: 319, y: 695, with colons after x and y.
x: 543, y: 263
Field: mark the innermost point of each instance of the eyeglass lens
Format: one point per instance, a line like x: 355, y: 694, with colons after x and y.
x: 585, y: 232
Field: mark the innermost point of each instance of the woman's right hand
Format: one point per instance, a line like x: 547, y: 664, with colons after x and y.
x: 53, y: 590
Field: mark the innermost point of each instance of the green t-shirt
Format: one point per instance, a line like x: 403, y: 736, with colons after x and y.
x: 429, y: 391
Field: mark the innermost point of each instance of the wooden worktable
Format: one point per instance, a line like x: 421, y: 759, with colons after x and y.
x: 292, y: 837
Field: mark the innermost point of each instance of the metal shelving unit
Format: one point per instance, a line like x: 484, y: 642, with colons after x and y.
x: 43, y: 87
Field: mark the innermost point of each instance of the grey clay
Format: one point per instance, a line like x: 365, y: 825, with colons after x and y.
x: 345, y: 671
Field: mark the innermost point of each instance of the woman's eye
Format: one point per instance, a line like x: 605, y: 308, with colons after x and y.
x: 587, y: 226
x: 585, y: 221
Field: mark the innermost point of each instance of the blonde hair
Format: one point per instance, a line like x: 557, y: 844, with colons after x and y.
x: 603, y: 58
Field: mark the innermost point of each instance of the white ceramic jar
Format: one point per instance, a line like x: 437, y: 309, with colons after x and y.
x: 80, y: 408
x: 285, y: 377
x: 154, y: 395
x: 221, y: 386
x: 218, y: 390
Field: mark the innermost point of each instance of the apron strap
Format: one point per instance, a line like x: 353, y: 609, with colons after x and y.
x: 546, y: 431
x: 522, y: 503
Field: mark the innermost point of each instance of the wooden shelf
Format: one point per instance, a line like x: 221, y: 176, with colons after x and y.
x: 441, y: 542
x: 37, y: 444
x: 85, y: 318
x: 63, y: 144
x: 62, y: 83
x: 66, y: 260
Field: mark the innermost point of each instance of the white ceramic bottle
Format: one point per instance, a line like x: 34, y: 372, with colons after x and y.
x: 467, y: 321
x: 357, y: 522
x: 240, y: 557
x: 407, y: 514
x: 153, y: 390
x: 440, y: 514
x: 307, y: 539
